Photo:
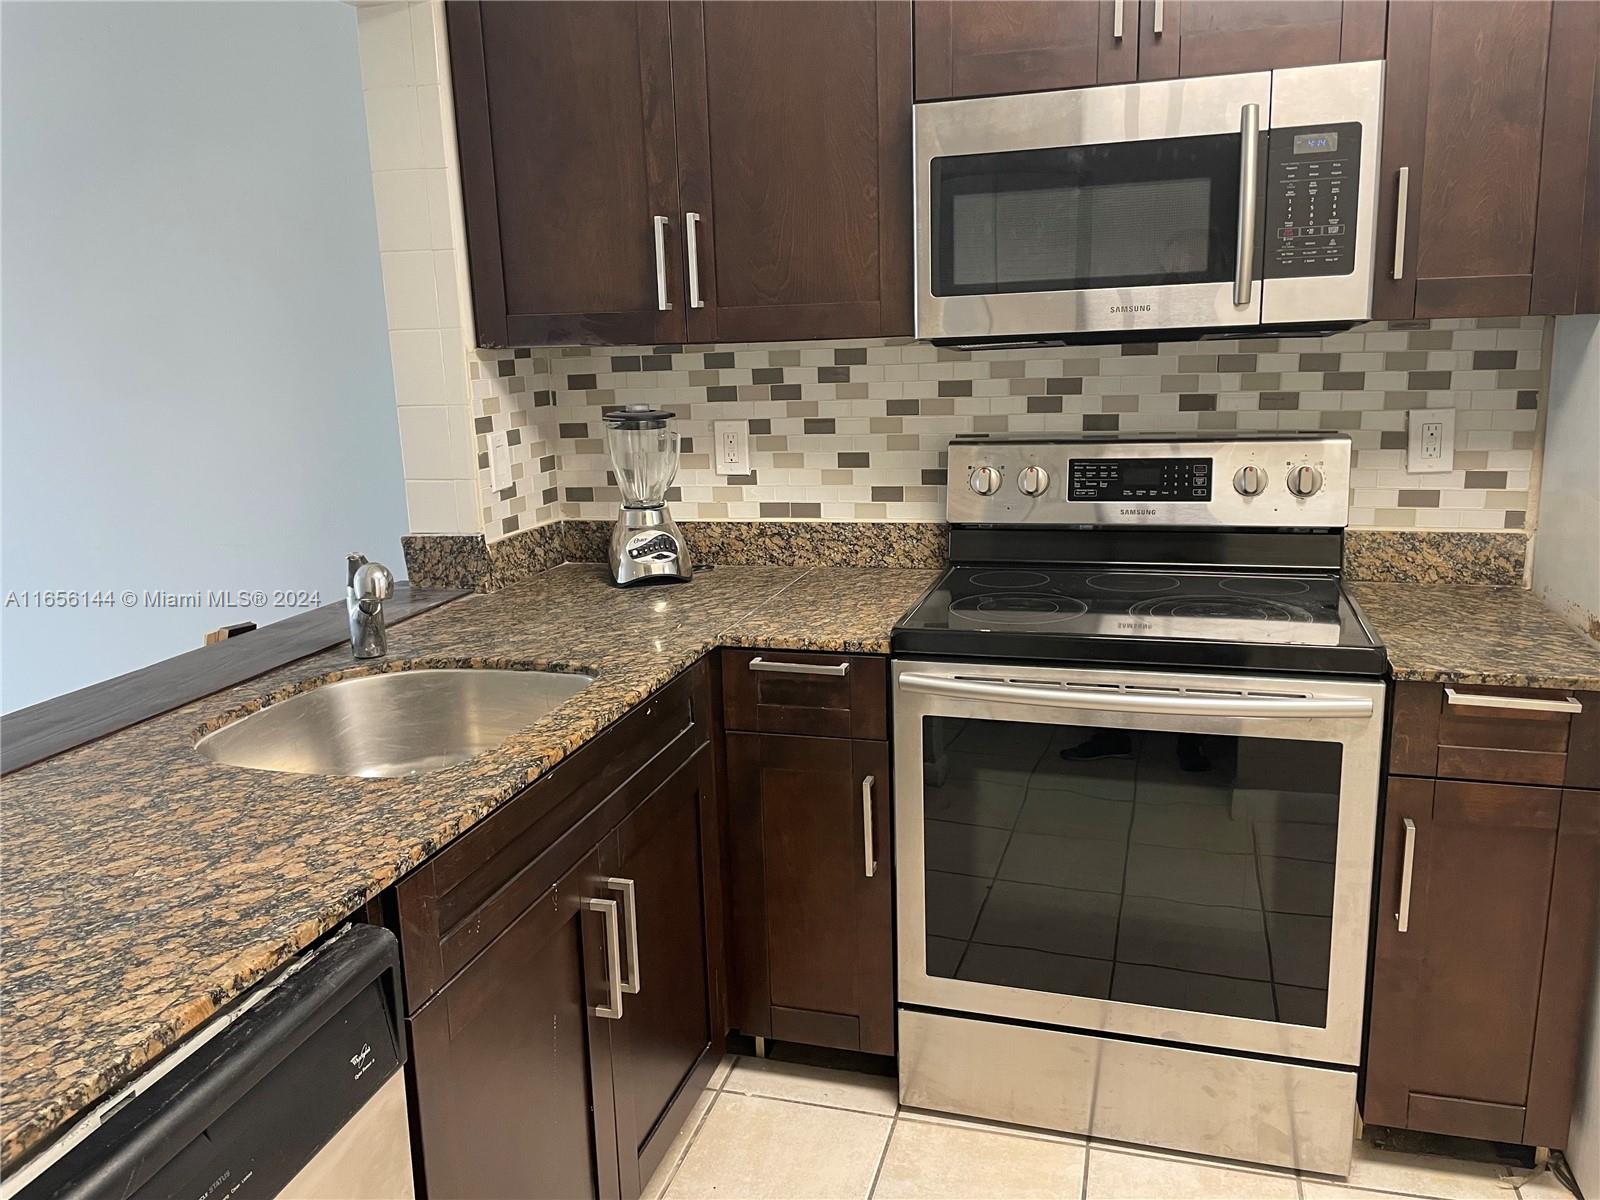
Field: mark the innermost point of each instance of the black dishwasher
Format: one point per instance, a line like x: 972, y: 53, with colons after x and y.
x: 301, y: 1093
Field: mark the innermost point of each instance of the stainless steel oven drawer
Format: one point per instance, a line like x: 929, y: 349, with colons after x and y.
x: 1225, y: 1105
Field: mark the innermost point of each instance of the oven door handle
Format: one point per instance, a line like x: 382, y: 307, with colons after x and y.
x: 1107, y: 700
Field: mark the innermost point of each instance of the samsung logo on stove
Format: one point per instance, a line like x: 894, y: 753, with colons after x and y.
x: 1116, y: 308
x: 1138, y: 512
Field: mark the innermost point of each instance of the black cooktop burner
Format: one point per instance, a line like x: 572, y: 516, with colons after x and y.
x: 1184, y: 617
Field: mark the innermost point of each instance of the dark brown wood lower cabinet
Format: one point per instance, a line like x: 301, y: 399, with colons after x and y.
x: 811, y: 890
x: 1477, y: 1001
x: 513, y: 1071
x: 663, y: 1045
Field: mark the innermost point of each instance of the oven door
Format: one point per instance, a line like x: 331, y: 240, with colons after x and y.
x: 1104, y: 209
x: 1186, y: 858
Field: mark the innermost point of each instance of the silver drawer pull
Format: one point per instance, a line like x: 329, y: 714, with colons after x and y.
x: 783, y: 668
x: 1525, y: 703
x: 608, y: 910
x: 662, y: 302
x: 630, y: 901
x: 1402, y: 195
x: 1116, y: 22
x: 1402, y: 919
x: 691, y: 226
x: 1159, y: 19
x: 870, y: 863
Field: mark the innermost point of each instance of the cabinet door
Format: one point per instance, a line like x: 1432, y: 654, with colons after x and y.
x: 666, y: 1028
x: 812, y: 888
x: 1455, y: 994
x: 1184, y: 38
x: 1007, y: 46
x: 794, y: 139
x: 564, y: 116
x: 1486, y: 109
x: 513, y: 1067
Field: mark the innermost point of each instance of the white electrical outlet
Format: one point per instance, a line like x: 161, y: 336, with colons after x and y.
x: 499, y: 461
x: 733, y: 447
x: 1430, y: 440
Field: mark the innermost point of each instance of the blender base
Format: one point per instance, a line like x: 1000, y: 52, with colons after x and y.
x: 646, y: 547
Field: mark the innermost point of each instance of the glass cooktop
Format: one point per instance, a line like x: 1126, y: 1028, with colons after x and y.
x: 1121, y: 614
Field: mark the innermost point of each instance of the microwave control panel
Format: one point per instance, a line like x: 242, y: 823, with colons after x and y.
x: 1313, y: 174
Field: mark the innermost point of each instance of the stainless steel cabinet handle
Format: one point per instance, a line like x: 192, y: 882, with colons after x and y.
x: 1402, y: 191
x: 661, y: 264
x: 608, y: 910
x: 783, y: 668
x: 1111, y: 700
x: 1116, y: 21
x: 630, y: 900
x: 870, y: 862
x: 1402, y: 919
x: 691, y: 239
x: 1249, y: 129
x: 1523, y: 703
x: 1160, y: 17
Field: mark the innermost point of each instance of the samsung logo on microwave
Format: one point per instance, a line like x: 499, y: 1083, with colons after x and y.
x: 1120, y: 308
x: 1138, y: 512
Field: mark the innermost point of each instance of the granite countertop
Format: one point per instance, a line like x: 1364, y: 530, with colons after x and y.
x: 147, y: 887
x: 1468, y: 633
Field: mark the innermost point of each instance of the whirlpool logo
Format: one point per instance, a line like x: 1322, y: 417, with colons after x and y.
x: 1122, y: 308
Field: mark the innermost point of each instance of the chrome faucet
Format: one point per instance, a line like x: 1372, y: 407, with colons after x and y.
x: 367, y: 586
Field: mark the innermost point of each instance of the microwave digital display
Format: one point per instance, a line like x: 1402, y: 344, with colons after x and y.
x: 1181, y: 479
x: 1316, y: 143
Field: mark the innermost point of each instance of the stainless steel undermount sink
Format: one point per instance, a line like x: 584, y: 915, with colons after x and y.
x: 393, y: 725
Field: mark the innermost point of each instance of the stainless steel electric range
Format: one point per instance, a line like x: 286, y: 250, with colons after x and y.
x: 1138, y: 730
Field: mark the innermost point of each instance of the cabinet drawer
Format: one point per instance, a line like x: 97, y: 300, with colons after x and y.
x: 463, y: 898
x: 1497, y: 735
x: 821, y: 695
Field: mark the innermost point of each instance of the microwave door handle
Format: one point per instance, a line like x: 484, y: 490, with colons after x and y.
x: 1249, y: 149
x: 1111, y: 700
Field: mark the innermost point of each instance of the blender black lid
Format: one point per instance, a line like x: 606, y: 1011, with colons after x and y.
x: 639, y: 417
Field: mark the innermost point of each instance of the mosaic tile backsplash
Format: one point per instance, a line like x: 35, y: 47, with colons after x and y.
x: 856, y: 431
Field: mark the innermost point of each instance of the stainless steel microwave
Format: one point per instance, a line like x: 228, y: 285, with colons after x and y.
x: 1203, y: 205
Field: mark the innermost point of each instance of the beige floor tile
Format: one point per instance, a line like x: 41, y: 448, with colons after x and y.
x: 1315, y: 1189
x: 1421, y: 1175
x: 751, y: 1148
x: 814, y: 1085
x: 952, y: 1162
x: 1543, y: 1186
x: 656, y: 1186
x: 1026, y: 1131
x: 719, y: 1073
x: 1130, y: 1175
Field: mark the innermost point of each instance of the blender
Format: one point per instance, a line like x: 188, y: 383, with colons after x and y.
x: 646, y: 546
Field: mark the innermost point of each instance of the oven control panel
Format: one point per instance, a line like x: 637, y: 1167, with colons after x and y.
x: 1139, y: 479
x: 1285, y: 481
x: 1313, y: 173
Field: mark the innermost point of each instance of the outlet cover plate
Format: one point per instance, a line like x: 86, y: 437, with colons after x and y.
x: 1430, y: 440
x: 731, y: 440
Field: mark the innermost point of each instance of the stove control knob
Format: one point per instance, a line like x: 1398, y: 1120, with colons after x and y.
x: 1249, y: 481
x: 1033, y: 481
x: 1305, y: 481
x: 984, y: 480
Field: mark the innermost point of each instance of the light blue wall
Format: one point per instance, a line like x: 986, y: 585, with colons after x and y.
x: 196, y: 382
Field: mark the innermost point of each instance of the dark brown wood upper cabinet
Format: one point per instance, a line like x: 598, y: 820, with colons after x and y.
x: 1179, y: 39
x: 1487, y: 111
x: 564, y: 116
x: 794, y: 144
x: 1008, y: 46
x: 648, y: 172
